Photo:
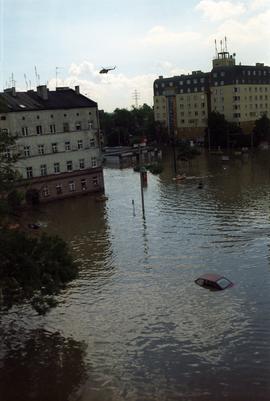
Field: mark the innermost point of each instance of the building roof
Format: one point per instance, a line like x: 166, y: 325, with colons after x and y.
x: 62, y: 98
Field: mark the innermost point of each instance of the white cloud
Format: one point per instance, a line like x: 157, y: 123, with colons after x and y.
x: 254, y: 30
x: 110, y: 90
x: 220, y: 10
x: 258, y: 4
x: 160, y: 35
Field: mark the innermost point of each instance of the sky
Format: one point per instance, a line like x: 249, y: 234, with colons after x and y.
x: 143, y: 39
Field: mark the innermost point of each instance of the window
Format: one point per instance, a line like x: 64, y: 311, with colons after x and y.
x: 24, y: 131
x: 83, y: 184
x: 69, y: 165
x: 58, y: 189
x: 54, y: 148
x: 41, y: 149
x: 26, y: 151
x: 67, y: 145
x: 37, y: 116
x: 78, y: 126
x: 71, y: 185
x: 7, y: 153
x: 94, y: 161
x: 43, y: 169
x: 188, y: 81
x: 52, y: 129
x: 39, y: 129
x: 29, y: 172
x: 56, y: 167
x: 3, y: 117
x: 95, y: 180
x: 90, y: 123
x: 46, y: 192
x: 80, y: 144
x: 66, y: 127
x: 81, y: 163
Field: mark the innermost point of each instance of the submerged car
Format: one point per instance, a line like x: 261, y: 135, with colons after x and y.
x: 214, y: 282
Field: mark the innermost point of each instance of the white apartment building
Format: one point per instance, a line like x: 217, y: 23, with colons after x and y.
x: 240, y: 92
x: 57, y: 141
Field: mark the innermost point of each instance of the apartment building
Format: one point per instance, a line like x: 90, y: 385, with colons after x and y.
x: 57, y: 141
x: 240, y: 92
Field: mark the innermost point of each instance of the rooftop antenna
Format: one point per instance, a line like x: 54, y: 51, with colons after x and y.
x: 56, y: 75
x: 37, y: 77
x: 216, y: 48
x: 26, y: 83
x: 30, y: 84
x: 221, y: 46
x: 13, y: 82
x: 226, y: 49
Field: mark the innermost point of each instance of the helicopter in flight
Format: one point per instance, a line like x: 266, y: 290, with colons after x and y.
x: 106, y: 70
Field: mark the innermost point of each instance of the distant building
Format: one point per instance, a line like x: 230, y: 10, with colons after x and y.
x: 57, y: 141
x: 240, y: 92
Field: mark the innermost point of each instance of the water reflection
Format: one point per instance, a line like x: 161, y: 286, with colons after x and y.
x: 40, y: 365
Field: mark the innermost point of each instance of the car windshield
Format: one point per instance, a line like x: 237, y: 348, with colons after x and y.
x: 223, y: 283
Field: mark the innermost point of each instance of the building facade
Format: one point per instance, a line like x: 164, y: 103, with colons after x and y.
x: 241, y: 93
x: 57, y: 141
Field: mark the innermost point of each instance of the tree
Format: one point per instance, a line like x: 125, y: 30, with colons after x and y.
x: 218, y: 129
x: 32, y: 269
x: 8, y: 177
x: 124, y: 127
x: 262, y: 130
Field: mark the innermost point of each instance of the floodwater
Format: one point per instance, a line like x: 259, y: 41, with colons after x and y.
x: 134, y: 326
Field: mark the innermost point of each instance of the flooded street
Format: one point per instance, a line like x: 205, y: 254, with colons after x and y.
x: 134, y: 326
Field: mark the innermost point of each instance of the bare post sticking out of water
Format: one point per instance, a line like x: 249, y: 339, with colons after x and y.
x: 141, y: 178
x: 133, y: 205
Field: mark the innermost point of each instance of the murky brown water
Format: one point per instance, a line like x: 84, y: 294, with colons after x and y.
x: 134, y: 326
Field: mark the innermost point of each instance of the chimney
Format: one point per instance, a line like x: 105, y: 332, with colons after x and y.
x: 77, y: 90
x: 12, y: 91
x: 42, y: 92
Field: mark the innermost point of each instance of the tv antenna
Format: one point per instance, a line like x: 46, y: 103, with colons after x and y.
x: 56, y: 75
x: 216, y: 48
x: 26, y: 83
x: 37, y: 77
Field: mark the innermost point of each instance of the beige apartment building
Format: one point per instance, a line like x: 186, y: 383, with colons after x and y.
x: 57, y: 142
x: 240, y: 92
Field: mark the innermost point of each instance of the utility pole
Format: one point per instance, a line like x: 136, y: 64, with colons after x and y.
x: 142, y: 172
